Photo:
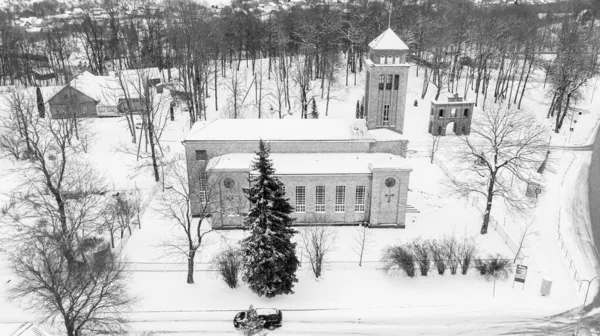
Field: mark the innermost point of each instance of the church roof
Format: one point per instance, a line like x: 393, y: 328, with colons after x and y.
x: 388, y: 40
x: 280, y: 130
x: 314, y: 163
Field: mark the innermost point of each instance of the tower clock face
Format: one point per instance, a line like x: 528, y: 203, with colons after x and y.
x: 228, y: 183
x: 390, y: 182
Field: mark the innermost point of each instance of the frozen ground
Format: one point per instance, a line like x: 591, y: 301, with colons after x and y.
x: 345, y: 285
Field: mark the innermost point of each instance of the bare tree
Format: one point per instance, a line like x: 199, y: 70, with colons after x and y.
x: 363, y: 239
x: 436, y: 141
x: 303, y: 78
x: 120, y: 214
x: 65, y: 271
x: 504, y: 143
x: 526, y: 233
x: 467, y: 249
x: 450, y: 248
x: 91, y: 298
x: 153, y: 107
x: 17, y: 120
x: 237, y: 95
x: 174, y: 205
x: 277, y: 93
x: 318, y: 241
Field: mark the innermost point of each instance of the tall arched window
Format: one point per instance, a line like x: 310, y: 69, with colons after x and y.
x: 381, y: 59
x: 466, y: 113
x: 396, y: 59
x: 390, y: 59
x: 439, y: 130
x: 441, y: 113
x: 453, y: 113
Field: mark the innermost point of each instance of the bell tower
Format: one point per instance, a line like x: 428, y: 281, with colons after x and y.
x: 387, y: 78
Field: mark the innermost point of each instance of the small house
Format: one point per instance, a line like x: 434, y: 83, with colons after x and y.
x: 70, y: 102
x: 88, y: 96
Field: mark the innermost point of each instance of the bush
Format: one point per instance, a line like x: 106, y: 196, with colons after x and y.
x: 494, y: 267
x: 467, y: 249
x: 437, y: 253
x: 228, y: 263
x: 401, y: 257
x: 420, y: 250
x: 449, y: 251
x: 318, y: 241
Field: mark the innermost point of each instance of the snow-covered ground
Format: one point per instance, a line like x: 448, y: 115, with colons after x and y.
x: 344, y: 284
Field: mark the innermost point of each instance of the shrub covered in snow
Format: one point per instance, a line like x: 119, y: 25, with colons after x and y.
x: 436, y: 248
x: 422, y: 253
x: 467, y: 249
x: 450, y: 248
x: 494, y: 267
x: 400, y: 256
x: 228, y: 263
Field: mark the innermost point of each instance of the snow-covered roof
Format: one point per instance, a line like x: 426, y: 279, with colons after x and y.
x: 104, y: 89
x: 388, y: 40
x: 384, y: 134
x: 266, y: 311
x: 314, y: 163
x: 281, y: 130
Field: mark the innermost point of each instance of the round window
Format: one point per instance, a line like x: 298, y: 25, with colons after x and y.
x: 229, y: 183
x: 390, y: 182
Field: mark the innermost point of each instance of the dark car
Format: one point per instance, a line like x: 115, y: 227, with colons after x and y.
x: 272, y: 318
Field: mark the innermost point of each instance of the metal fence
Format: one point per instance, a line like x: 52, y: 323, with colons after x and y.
x: 512, y: 246
x: 565, y: 250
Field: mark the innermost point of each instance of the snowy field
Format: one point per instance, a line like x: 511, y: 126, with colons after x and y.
x: 344, y: 284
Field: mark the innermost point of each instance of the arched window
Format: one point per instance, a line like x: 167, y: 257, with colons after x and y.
x: 396, y: 59
x: 381, y: 59
x: 389, y: 59
x: 466, y: 114
x: 453, y: 113
x: 439, y: 130
x: 441, y: 113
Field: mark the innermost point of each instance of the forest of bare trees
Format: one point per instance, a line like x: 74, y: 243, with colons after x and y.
x: 493, y: 50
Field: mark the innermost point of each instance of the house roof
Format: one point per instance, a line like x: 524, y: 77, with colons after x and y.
x: 281, y: 130
x: 314, y: 163
x: 388, y: 40
x: 104, y: 89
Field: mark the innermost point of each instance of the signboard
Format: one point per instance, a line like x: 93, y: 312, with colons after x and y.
x: 521, y: 273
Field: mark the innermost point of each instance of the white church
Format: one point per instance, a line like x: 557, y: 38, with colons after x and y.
x: 335, y: 171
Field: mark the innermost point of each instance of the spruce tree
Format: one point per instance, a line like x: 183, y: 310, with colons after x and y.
x: 269, y: 256
x: 314, y: 113
x: 40, y: 103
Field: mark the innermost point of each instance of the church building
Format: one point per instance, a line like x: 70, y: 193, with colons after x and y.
x: 335, y: 171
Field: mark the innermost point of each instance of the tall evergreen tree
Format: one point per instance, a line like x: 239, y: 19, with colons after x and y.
x: 40, y: 103
x: 268, y: 253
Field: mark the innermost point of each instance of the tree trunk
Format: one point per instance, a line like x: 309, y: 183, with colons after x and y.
x: 152, y: 150
x: 525, y: 83
x: 191, y: 256
x: 488, y: 206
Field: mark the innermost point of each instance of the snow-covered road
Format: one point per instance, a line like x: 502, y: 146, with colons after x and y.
x: 418, y: 321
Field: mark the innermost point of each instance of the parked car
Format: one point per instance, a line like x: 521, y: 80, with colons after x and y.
x: 272, y: 318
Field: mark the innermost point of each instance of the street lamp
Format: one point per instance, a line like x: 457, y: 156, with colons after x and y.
x: 589, y: 282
